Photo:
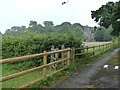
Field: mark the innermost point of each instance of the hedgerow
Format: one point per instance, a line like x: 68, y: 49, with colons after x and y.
x: 14, y: 46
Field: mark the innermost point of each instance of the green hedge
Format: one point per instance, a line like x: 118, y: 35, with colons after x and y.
x: 13, y: 46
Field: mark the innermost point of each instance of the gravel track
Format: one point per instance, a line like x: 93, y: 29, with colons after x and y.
x: 92, y: 76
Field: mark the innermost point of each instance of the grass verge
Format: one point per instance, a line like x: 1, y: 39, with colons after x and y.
x: 50, y: 82
x: 55, y: 80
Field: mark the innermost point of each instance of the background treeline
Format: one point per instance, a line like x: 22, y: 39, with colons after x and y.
x: 103, y: 34
x: 89, y: 33
x: 19, y: 41
x: 47, y: 27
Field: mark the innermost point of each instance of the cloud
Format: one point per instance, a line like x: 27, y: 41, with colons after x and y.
x: 20, y: 12
x: 31, y: 6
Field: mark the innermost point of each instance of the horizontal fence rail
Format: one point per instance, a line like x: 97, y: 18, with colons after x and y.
x: 70, y: 55
x: 29, y: 71
x: 30, y: 56
x: 93, y: 50
x: 44, y: 66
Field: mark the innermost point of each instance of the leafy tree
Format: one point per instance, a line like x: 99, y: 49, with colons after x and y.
x: 48, y: 23
x: 48, y: 26
x: 77, y: 32
x: 64, y: 27
x: 99, y: 35
x: 0, y: 33
x: 77, y: 25
x: 40, y: 28
x: 107, y: 15
x: 32, y: 23
x: 23, y: 27
x: 15, y: 28
x: 76, y: 29
x: 103, y: 34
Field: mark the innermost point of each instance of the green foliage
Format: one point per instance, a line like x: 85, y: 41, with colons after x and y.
x: 103, y: 34
x: 33, y: 43
x: 32, y: 23
x: 19, y: 41
x: 47, y: 28
x: 0, y: 33
x: 107, y: 15
x: 116, y: 40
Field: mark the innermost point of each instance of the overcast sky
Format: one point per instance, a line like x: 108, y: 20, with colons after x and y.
x: 20, y: 12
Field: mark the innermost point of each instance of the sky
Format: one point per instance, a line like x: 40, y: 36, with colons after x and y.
x: 20, y: 12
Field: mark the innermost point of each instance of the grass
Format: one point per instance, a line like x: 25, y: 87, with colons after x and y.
x: 114, y: 61
x: 109, y: 74
x: 58, y: 78
x: 50, y: 82
x: 22, y: 80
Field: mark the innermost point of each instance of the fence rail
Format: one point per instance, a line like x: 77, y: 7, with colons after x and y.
x: 71, y: 54
x: 44, y: 66
x: 93, y: 50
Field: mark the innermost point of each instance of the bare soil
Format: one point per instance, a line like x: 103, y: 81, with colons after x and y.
x: 95, y: 76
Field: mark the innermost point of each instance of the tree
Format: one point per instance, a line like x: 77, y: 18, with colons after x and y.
x: 15, y: 28
x: 77, y: 25
x: 32, y: 23
x: 103, y: 34
x: 0, y: 33
x: 107, y: 15
x: 48, y: 26
x: 64, y: 27
x: 48, y: 23
x: 77, y: 32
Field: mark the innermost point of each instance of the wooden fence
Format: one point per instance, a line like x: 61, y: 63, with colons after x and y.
x: 44, y: 66
x: 72, y: 53
x: 93, y: 51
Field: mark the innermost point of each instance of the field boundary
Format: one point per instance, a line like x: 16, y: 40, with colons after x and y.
x: 71, y: 55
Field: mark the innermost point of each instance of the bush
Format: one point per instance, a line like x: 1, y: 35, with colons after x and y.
x: 32, y: 43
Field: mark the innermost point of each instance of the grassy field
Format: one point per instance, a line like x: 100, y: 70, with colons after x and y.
x: 21, y: 80
x: 8, y: 69
x: 96, y: 48
x: 95, y: 43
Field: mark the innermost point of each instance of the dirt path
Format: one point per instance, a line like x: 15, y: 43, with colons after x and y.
x: 94, y: 76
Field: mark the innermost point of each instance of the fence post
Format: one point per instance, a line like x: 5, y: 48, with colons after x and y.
x: 63, y: 53
x: 56, y: 54
x: 52, y: 55
x: 113, y: 45
x: 68, y: 56
x: 88, y: 55
x: 93, y: 51
x: 103, y: 48
x: 45, y: 61
x: 87, y: 52
x: 108, y: 46
x: 99, y: 50
x: 73, y: 54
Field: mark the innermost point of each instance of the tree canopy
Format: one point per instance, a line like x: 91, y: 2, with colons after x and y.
x: 107, y: 15
x: 0, y: 33
x: 75, y: 29
x: 103, y: 34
